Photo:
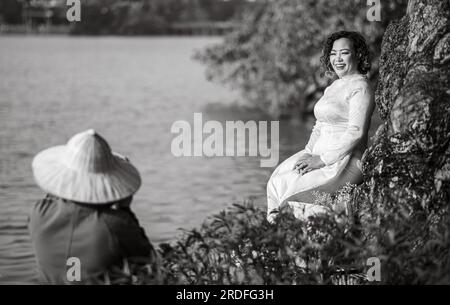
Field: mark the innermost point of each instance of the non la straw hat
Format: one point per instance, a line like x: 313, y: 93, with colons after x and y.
x: 85, y: 170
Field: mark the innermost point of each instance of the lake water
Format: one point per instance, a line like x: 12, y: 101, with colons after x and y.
x: 130, y: 90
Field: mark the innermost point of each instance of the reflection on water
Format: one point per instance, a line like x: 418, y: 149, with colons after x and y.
x: 131, y: 90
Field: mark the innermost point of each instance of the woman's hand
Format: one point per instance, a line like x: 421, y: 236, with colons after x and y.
x: 307, y: 163
x: 302, y: 158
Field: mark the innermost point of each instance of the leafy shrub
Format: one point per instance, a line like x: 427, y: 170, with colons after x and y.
x: 238, y: 246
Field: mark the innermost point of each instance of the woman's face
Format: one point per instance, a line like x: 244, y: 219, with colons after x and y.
x: 343, y: 57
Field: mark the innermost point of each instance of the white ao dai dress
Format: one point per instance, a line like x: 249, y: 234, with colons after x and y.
x: 339, y: 137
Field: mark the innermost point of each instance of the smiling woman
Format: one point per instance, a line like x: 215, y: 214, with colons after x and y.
x: 342, y: 57
x: 332, y: 156
x: 342, y: 49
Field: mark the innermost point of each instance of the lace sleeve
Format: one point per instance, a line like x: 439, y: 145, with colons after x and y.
x: 360, y: 111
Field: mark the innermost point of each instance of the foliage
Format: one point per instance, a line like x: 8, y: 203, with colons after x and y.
x: 102, y: 17
x: 273, y: 57
x: 140, y: 17
x: 10, y: 11
x: 153, y: 17
x: 239, y: 246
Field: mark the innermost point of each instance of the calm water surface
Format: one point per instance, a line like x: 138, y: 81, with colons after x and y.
x: 130, y: 90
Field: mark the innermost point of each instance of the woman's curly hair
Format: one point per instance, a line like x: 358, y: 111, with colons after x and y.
x: 359, y: 45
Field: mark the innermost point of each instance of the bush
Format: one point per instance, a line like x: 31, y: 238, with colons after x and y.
x: 239, y: 246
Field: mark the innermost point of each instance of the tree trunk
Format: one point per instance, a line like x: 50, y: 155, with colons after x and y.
x: 409, y: 161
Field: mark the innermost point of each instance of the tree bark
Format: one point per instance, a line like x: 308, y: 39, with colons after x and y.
x: 409, y: 161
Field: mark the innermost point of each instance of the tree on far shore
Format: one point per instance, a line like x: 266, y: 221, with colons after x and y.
x: 273, y: 57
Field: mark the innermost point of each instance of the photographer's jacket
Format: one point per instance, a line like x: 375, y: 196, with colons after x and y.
x: 98, y: 236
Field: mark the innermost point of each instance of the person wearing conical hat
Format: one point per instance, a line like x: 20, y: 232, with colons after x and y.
x: 85, y: 219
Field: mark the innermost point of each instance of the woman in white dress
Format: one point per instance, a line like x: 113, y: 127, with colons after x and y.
x: 332, y: 156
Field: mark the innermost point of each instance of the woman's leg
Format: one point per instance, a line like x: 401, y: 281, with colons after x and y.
x: 279, y: 183
x: 302, y: 202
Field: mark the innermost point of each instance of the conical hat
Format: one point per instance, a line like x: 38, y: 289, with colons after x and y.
x: 85, y: 170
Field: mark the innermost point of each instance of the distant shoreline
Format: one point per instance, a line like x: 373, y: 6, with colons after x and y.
x: 36, y: 30
x: 176, y: 29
